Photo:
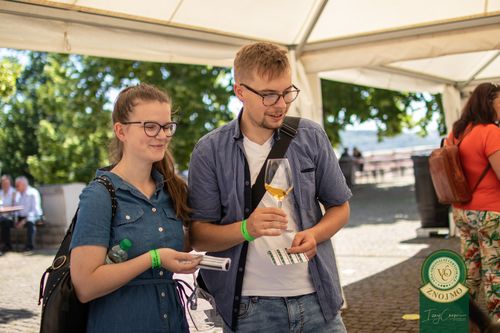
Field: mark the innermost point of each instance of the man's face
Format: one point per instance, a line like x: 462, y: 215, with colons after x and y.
x: 21, y: 186
x: 5, y: 184
x: 255, y: 112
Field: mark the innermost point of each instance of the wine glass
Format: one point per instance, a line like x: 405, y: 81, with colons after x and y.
x: 278, y: 179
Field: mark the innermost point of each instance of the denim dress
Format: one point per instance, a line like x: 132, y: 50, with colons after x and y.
x: 148, y: 303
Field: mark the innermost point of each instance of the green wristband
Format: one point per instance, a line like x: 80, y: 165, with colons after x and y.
x: 244, y: 231
x: 155, y: 259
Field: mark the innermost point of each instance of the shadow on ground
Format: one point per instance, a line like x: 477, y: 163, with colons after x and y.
x: 370, y: 202
x: 8, y: 315
x: 377, y: 303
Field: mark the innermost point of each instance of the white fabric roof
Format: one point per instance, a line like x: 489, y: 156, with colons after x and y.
x: 424, y: 45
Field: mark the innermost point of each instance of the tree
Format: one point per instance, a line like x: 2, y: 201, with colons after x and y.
x: 58, y: 121
x: 345, y: 104
x: 10, y: 70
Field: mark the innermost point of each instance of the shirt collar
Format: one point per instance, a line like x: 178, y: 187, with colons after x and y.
x: 118, y: 182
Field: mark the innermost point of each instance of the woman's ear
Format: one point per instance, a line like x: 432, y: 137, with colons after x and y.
x: 119, y: 131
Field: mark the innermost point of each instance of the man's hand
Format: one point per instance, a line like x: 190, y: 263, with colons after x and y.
x: 304, y: 242
x: 267, y: 221
x: 19, y: 224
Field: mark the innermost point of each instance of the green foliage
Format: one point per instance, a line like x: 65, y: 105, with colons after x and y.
x: 9, y: 72
x: 200, y: 95
x: 347, y: 104
x: 57, y: 125
x: 56, y: 121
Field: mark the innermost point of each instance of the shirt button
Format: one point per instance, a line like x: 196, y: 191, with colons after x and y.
x: 236, y: 297
x: 161, y: 273
x: 160, y: 229
x: 165, y: 316
x: 247, y: 210
x: 247, y: 183
x: 162, y: 294
x: 127, y: 217
x: 153, y: 209
x: 240, y: 269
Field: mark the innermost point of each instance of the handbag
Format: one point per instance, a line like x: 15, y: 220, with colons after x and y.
x: 448, y: 176
x: 61, y: 310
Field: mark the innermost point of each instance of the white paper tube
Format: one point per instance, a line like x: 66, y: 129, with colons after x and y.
x: 215, y: 263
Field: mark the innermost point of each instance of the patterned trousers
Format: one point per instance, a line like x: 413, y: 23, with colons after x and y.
x: 480, y: 246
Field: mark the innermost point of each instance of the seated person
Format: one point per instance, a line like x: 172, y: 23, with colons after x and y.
x: 7, y: 193
x: 29, y: 198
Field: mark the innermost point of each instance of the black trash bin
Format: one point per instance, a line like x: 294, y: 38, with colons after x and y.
x: 432, y: 213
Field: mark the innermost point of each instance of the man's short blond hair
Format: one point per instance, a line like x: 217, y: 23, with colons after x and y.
x: 267, y: 60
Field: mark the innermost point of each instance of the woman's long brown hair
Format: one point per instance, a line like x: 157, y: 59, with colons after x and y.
x: 126, y: 101
x: 478, y: 109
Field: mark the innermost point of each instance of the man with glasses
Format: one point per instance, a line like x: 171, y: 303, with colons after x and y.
x: 256, y: 295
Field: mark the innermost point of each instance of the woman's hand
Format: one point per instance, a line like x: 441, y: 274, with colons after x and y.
x: 179, y: 262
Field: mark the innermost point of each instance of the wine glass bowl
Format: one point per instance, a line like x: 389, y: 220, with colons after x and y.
x: 278, y: 179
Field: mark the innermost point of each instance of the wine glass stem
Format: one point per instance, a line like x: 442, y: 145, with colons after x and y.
x: 280, y: 203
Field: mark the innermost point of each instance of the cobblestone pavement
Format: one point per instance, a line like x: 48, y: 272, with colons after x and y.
x: 378, y: 255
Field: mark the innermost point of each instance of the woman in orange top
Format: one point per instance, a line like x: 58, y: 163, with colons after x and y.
x: 479, y: 219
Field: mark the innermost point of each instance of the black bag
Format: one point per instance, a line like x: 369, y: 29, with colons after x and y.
x: 61, y: 310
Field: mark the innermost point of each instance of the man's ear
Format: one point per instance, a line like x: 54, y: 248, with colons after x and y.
x: 238, y: 91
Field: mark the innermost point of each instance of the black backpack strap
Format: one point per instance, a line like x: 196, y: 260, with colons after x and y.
x: 287, y: 132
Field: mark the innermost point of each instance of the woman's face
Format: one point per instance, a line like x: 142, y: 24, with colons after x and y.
x: 496, y: 105
x: 136, y: 143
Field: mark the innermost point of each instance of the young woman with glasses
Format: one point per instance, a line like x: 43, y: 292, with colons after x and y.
x: 138, y: 294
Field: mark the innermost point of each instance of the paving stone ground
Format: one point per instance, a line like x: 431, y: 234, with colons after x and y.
x: 378, y: 255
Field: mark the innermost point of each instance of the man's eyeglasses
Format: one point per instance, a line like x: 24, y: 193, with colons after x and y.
x: 152, y: 128
x: 271, y: 98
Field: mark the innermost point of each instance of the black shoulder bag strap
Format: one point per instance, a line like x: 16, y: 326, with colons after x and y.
x: 287, y: 132
x: 62, y: 255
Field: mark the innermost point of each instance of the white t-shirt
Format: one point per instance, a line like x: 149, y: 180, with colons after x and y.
x: 262, y: 277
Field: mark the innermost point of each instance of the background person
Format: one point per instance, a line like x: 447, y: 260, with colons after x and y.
x: 479, y: 219
x: 255, y: 295
x: 29, y: 198
x: 358, y: 158
x: 7, y: 193
x: 138, y: 295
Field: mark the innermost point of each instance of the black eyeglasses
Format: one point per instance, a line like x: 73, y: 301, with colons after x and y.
x: 152, y: 128
x: 271, y: 98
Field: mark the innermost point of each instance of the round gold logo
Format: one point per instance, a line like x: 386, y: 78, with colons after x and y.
x: 443, y: 276
x: 444, y: 273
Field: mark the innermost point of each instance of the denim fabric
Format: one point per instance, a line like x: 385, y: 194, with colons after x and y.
x: 216, y: 194
x: 285, y: 314
x: 149, y: 303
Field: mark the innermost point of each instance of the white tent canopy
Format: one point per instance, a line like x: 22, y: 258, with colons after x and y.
x: 445, y: 46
